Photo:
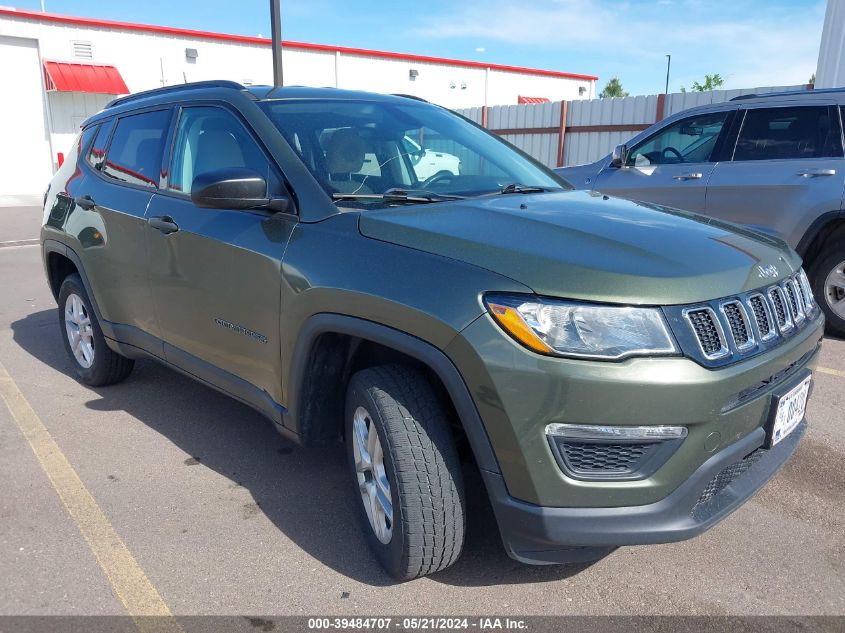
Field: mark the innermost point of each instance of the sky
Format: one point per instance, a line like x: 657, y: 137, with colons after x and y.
x: 750, y: 43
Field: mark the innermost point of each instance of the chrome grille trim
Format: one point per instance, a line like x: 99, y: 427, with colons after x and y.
x: 739, y: 330
x: 783, y: 317
x: 719, y: 332
x: 795, y: 305
x: 723, y: 350
x: 768, y: 330
x: 806, y: 292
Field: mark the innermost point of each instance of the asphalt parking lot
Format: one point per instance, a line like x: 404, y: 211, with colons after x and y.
x: 217, y: 514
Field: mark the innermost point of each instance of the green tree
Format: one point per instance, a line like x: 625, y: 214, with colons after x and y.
x: 613, y: 88
x: 711, y: 82
x: 812, y: 79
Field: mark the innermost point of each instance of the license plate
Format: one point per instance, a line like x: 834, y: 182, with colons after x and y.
x: 790, y: 410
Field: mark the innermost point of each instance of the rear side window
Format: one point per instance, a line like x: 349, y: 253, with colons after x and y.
x: 134, y: 154
x: 97, y: 152
x: 800, y: 132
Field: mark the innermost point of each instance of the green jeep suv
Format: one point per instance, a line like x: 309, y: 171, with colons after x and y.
x: 619, y: 373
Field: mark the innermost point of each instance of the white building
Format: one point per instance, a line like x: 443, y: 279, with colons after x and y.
x: 57, y: 70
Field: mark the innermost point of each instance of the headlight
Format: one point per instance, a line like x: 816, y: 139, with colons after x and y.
x: 582, y: 330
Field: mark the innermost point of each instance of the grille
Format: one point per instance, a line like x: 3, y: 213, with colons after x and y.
x: 761, y: 316
x: 724, y: 479
x: 776, y: 296
x: 791, y: 296
x: 738, y: 324
x: 591, y: 457
x: 717, y: 332
x: 707, y: 332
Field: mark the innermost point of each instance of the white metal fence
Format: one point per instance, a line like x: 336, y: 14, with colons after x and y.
x: 576, y: 132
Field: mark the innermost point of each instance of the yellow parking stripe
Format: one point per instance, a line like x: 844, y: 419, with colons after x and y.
x: 128, y: 580
x: 832, y: 372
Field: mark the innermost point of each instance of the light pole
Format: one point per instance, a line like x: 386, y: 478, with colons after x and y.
x: 276, y: 37
x: 668, y: 64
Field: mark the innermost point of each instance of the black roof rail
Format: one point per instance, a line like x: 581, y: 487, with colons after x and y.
x: 787, y: 93
x: 196, y: 85
x: 414, y: 97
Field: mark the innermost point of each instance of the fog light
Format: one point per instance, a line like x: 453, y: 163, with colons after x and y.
x: 622, y: 453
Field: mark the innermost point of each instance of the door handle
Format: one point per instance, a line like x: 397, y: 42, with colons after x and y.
x: 84, y: 202
x: 163, y: 223
x: 689, y: 176
x: 812, y: 173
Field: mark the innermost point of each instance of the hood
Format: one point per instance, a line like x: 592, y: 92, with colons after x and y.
x: 587, y: 246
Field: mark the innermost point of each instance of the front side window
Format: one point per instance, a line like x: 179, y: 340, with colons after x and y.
x: 799, y: 132
x: 372, y: 147
x: 134, y: 154
x: 689, y: 140
x: 209, y: 139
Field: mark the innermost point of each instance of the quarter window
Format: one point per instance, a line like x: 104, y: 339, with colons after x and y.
x: 134, y: 155
x: 209, y: 139
x: 799, y: 132
x: 689, y: 140
x: 97, y: 153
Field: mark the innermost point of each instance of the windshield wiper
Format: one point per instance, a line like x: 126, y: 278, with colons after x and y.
x: 396, y: 195
x: 515, y: 187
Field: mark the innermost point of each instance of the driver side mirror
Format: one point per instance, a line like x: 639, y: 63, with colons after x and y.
x: 619, y: 156
x: 234, y: 188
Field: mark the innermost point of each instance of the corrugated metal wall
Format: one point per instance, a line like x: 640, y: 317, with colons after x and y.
x: 541, y: 146
x: 581, y: 145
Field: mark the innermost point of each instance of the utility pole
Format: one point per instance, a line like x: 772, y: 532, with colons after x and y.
x: 276, y: 37
x: 668, y: 64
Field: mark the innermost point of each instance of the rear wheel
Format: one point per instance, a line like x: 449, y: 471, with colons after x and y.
x: 95, y: 364
x: 405, y: 470
x: 828, y: 280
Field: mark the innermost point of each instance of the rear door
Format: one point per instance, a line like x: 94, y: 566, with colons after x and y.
x: 672, y: 166
x: 786, y: 169
x: 216, y: 273
x: 108, y: 220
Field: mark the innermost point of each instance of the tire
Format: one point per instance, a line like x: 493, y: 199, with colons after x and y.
x: 420, y: 463
x: 827, y: 289
x: 94, y: 362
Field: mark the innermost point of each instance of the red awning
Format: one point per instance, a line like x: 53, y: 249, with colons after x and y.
x: 521, y: 100
x: 64, y: 77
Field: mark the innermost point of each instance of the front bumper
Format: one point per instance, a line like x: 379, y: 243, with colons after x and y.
x: 541, y: 535
x: 545, y: 516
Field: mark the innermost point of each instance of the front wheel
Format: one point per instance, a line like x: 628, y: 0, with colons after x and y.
x: 405, y: 469
x: 828, y: 281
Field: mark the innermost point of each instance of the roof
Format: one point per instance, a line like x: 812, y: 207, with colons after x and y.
x: 96, y: 78
x: 226, y: 89
x: 245, y: 39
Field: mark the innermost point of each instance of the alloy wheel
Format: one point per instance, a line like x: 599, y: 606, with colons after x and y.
x: 834, y: 289
x: 372, y: 477
x: 80, y: 334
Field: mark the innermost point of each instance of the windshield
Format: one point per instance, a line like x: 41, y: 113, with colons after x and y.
x: 366, y: 151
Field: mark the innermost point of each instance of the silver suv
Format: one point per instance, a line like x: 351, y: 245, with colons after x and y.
x: 773, y: 162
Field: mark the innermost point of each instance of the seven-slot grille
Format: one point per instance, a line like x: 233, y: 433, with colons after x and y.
x: 750, y: 320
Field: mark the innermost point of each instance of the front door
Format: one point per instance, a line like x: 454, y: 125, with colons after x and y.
x: 670, y: 167
x: 215, y: 273
x: 786, y: 170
